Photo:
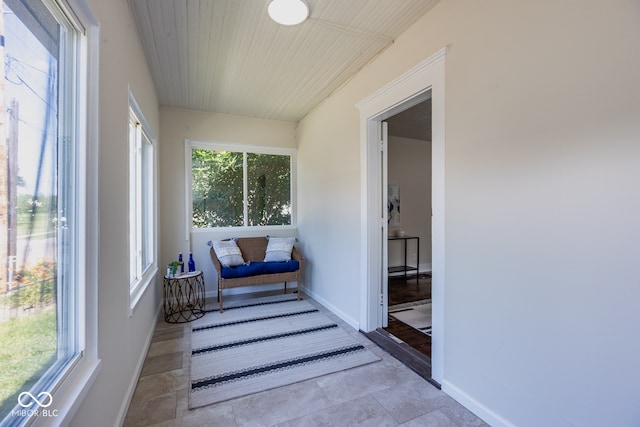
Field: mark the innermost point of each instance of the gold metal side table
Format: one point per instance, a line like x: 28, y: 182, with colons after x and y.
x: 184, y: 297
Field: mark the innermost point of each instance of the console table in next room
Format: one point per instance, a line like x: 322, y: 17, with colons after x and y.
x: 405, y: 267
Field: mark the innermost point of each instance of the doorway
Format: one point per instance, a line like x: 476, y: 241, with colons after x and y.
x: 409, y: 227
x: 417, y: 84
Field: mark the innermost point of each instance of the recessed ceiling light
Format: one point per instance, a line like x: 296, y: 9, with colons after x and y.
x: 288, y: 12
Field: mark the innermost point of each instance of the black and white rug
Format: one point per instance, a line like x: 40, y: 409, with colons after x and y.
x: 417, y: 315
x: 264, y: 344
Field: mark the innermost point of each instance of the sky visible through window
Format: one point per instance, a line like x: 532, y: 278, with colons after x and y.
x: 29, y: 210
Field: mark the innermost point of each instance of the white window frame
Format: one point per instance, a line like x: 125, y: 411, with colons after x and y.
x: 238, y: 148
x: 71, y: 384
x: 142, y: 170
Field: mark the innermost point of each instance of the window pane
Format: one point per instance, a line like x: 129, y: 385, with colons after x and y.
x: 38, y: 327
x: 141, y: 199
x: 147, y: 204
x: 269, y: 190
x: 134, y: 127
x: 217, y: 182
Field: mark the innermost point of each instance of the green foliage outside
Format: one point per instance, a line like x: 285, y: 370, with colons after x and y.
x: 36, y: 216
x: 269, y: 198
x: 217, y: 189
x: 36, y: 287
x: 28, y: 336
x: 27, y: 349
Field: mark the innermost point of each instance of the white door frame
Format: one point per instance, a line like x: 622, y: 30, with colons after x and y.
x: 383, y: 230
x: 411, y: 88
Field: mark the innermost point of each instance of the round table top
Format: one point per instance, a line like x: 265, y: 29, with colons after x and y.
x: 185, y: 275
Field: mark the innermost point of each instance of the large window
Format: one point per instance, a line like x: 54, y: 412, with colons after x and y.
x: 41, y: 207
x: 232, y: 187
x: 142, y: 253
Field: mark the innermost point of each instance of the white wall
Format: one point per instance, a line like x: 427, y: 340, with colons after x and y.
x: 329, y: 206
x: 541, y: 181
x: 409, y: 166
x: 179, y: 125
x: 122, y: 339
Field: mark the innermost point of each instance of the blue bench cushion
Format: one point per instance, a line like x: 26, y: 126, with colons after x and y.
x: 255, y: 268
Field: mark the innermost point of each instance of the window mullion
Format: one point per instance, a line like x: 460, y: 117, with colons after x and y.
x: 245, y: 189
x: 148, y: 191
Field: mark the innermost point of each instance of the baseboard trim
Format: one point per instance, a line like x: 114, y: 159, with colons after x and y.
x: 474, y: 406
x: 139, y: 365
x: 332, y: 308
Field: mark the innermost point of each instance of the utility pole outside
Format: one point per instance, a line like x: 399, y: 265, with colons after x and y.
x: 4, y: 171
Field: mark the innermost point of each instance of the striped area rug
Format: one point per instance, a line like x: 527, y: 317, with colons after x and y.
x: 265, y: 344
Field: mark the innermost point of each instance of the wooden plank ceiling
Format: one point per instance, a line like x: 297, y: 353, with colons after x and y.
x: 228, y: 56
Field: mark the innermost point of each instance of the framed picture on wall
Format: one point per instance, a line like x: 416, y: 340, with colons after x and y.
x: 393, y: 204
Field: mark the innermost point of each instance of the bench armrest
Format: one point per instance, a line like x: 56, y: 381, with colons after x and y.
x: 215, y: 260
x: 297, y: 255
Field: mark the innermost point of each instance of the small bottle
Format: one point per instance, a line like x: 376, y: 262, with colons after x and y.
x: 192, y: 263
x: 181, y: 263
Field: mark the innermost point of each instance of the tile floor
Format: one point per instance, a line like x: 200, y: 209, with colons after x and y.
x: 385, y: 393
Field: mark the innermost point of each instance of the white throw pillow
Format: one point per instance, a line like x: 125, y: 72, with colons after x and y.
x: 279, y: 249
x: 228, y: 252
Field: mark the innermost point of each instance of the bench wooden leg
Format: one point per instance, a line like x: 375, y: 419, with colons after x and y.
x: 285, y: 287
x: 220, y: 299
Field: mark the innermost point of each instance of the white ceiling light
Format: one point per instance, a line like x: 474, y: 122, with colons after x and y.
x: 289, y: 12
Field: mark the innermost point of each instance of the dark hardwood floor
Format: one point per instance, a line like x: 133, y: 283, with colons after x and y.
x: 403, y: 290
x: 410, y: 346
x: 409, y: 290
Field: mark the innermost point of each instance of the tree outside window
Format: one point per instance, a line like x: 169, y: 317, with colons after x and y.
x: 40, y: 204
x: 240, y: 188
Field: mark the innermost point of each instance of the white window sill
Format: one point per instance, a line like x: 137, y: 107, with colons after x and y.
x: 139, y: 289
x: 69, y: 395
